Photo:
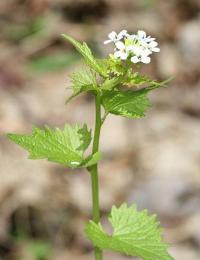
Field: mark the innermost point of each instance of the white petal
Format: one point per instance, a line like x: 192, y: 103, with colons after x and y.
x: 141, y: 34
x: 150, y: 39
x: 124, y: 56
x: 107, y: 41
x: 117, y: 54
x: 132, y: 36
x: 153, y: 44
x: 130, y: 48
x: 135, y: 59
x: 137, y: 50
x: 112, y: 35
x: 120, y: 45
x: 145, y: 59
x: 122, y: 34
x: 146, y: 52
x: 143, y: 43
x: 156, y: 49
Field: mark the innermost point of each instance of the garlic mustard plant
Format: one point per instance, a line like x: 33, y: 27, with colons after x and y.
x: 120, y: 90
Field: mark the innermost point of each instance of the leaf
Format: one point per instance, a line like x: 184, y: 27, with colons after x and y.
x: 134, y: 234
x: 85, y: 51
x: 65, y: 146
x: 136, y: 79
x: 82, y: 81
x: 116, y: 66
x: 109, y: 84
x: 131, y: 104
x: 103, y: 64
x: 155, y: 84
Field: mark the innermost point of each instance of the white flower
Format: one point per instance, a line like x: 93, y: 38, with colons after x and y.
x: 140, y: 54
x: 114, y: 37
x: 121, y: 51
x: 153, y: 46
x: 142, y: 58
x: 123, y: 33
x: 143, y: 36
x: 136, y: 47
x: 147, y: 41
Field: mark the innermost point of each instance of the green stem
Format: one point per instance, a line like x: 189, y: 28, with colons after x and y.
x: 94, y: 172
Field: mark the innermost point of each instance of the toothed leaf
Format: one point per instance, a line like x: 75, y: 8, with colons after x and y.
x: 134, y: 234
x: 132, y: 104
x: 65, y: 146
x: 110, y: 84
x: 85, y: 51
x: 83, y: 81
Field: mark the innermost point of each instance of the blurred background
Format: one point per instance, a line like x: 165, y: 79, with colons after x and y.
x: 154, y: 162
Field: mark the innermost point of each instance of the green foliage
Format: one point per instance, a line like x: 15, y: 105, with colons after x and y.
x: 83, y: 81
x: 131, y: 104
x: 112, y: 83
x: 65, y: 146
x: 85, y: 51
x: 116, y: 67
x: 116, y: 74
x: 103, y: 64
x: 136, y: 79
x: 134, y: 234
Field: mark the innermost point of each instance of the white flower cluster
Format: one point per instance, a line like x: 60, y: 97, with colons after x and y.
x: 138, y: 47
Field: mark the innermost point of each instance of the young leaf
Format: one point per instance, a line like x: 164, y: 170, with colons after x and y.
x: 137, y: 79
x: 134, y: 234
x: 103, y: 64
x: 155, y: 84
x: 83, y: 81
x: 116, y: 66
x: 85, y: 51
x: 132, y: 104
x: 109, y: 84
x: 65, y: 146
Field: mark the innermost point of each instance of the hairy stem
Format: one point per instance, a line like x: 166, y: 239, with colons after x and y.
x: 94, y: 172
